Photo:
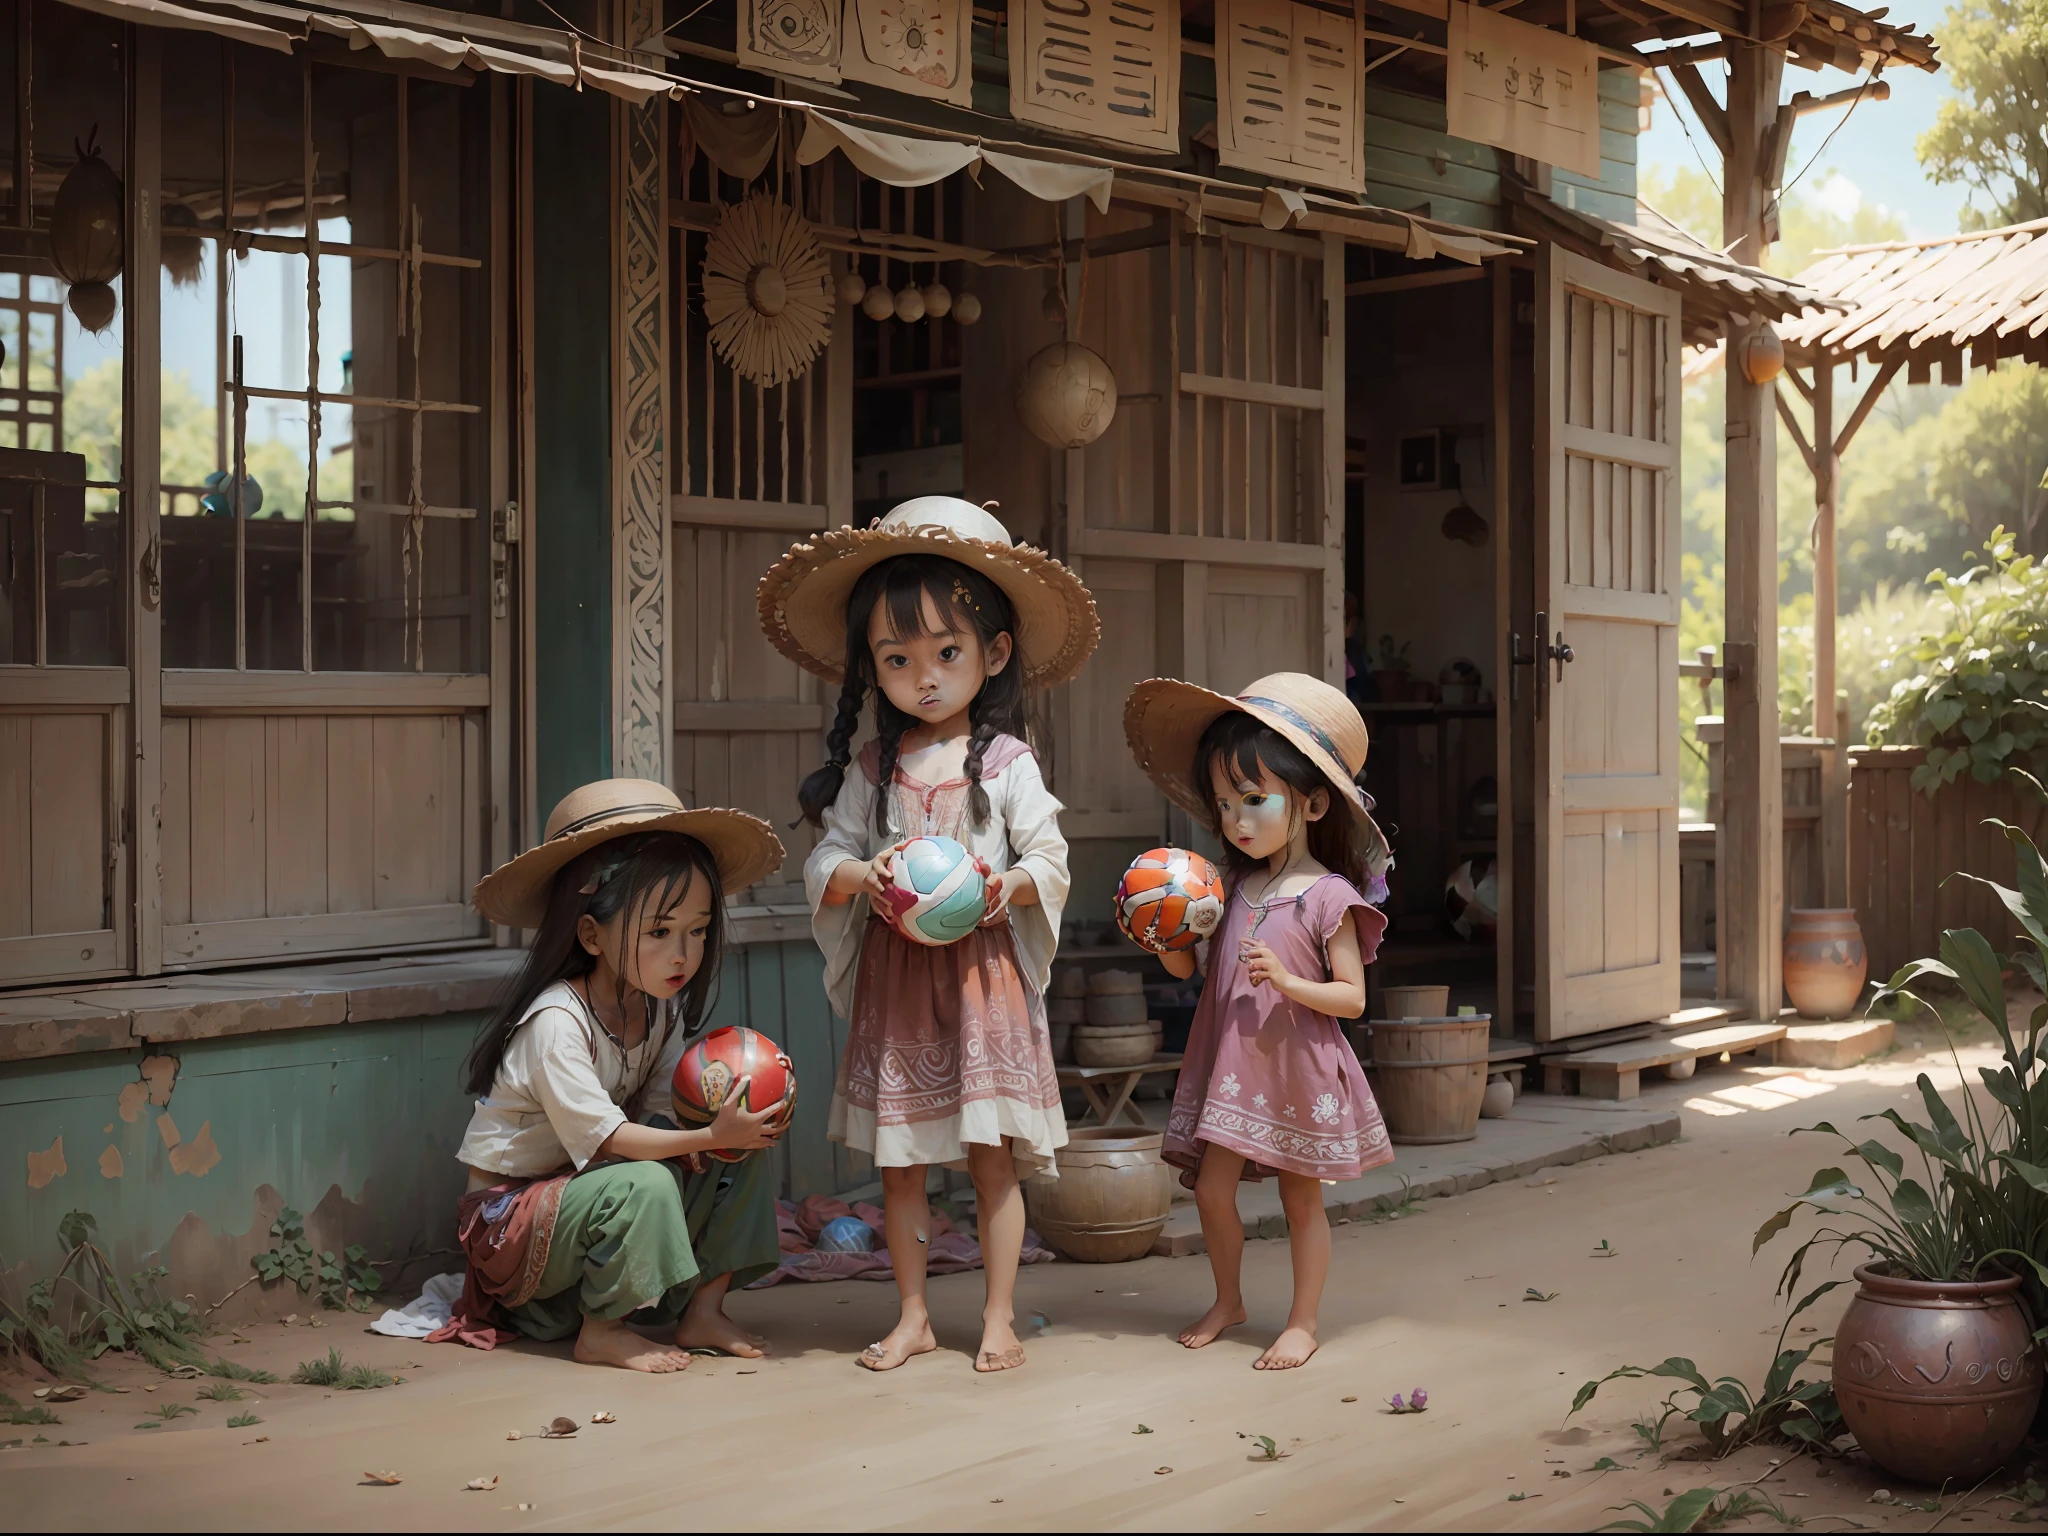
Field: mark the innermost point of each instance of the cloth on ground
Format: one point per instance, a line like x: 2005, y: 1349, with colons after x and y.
x: 797, y: 1226
x: 427, y: 1311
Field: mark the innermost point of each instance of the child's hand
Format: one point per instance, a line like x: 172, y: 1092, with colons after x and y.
x: 879, y: 871
x: 744, y: 1130
x: 1264, y: 966
x: 999, y: 888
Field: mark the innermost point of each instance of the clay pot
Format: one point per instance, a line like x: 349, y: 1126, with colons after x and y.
x: 1825, y: 962
x: 1116, y: 984
x: 1114, y: 1045
x: 1116, y: 1008
x: 1432, y: 1076
x: 1110, y: 1201
x: 1498, y: 1099
x: 1938, y: 1379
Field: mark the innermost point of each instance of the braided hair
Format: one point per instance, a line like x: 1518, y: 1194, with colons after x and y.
x: 968, y: 601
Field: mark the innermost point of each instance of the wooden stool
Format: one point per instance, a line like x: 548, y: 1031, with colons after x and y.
x: 1109, y: 1089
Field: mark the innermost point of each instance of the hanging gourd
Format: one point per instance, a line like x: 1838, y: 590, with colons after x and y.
x: 767, y: 291
x: 86, y: 234
x: 1066, y: 395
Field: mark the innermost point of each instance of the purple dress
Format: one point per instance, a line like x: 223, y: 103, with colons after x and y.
x: 1265, y: 1077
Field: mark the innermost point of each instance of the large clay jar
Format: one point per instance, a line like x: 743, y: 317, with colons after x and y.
x: 1110, y: 1201
x: 1825, y: 962
x: 1938, y: 1379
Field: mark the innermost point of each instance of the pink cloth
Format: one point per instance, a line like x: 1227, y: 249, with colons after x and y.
x: 1265, y: 1077
x: 949, y: 1251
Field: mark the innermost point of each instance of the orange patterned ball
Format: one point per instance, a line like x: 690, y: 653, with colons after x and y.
x: 1169, y: 899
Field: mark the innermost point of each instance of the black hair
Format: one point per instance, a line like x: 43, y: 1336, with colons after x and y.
x: 1240, y: 744
x: 629, y: 877
x: 969, y: 600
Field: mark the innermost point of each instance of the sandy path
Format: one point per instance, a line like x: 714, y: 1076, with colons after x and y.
x: 808, y: 1441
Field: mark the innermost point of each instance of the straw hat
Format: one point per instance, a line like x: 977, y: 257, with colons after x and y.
x: 803, y: 597
x: 1164, y: 719
x: 515, y: 894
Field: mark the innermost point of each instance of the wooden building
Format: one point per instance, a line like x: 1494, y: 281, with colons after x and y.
x: 410, y: 486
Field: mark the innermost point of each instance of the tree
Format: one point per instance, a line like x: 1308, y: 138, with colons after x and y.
x: 1992, y: 136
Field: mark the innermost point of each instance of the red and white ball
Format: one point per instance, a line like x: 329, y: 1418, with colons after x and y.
x: 1169, y: 899
x: 712, y: 1068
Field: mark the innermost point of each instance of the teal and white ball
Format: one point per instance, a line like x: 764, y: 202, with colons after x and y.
x: 937, y: 892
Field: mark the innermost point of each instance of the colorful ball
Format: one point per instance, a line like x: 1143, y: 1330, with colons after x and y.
x: 710, y: 1069
x: 937, y: 891
x: 1472, y: 900
x: 1169, y: 899
x: 846, y: 1234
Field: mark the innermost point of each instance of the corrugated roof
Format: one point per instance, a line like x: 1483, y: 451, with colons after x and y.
x: 1924, y: 301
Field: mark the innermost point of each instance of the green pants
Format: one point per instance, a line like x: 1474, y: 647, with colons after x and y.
x: 634, y: 1240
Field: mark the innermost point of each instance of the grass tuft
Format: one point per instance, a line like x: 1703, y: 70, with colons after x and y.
x: 338, y: 1373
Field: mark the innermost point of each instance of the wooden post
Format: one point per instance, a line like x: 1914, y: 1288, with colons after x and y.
x: 1752, y: 794
x: 1826, y: 475
x: 143, y: 471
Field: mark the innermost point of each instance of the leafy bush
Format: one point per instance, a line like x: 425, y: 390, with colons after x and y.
x: 344, y: 1283
x: 1974, y: 696
x: 84, y: 1310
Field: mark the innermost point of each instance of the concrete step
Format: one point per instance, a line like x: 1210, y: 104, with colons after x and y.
x: 1834, y: 1046
x: 1536, y: 1133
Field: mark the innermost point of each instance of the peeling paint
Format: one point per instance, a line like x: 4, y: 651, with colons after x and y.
x: 197, y: 1156
x: 111, y: 1166
x: 167, y: 1128
x: 161, y: 1075
x: 45, y: 1166
x: 133, y: 1096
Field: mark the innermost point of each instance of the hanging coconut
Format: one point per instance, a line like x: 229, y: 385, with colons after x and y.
x: 910, y: 304
x: 1066, y: 395
x: 767, y: 291
x: 966, y: 308
x: 938, y: 301
x: 183, y: 254
x: 86, y: 234
x: 852, y: 287
x: 878, y: 303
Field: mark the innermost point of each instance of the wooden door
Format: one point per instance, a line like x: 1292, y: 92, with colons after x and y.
x: 1607, y: 565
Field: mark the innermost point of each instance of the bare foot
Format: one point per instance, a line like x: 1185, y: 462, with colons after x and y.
x: 904, y: 1340
x: 1211, y: 1323
x: 1292, y: 1348
x: 603, y: 1343
x: 999, y: 1350
x: 712, y: 1329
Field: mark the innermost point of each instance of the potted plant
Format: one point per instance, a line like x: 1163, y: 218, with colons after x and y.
x: 1936, y: 1363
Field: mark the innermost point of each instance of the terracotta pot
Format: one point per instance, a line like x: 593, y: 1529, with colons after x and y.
x: 1938, y: 1379
x: 1110, y: 1201
x: 1825, y: 962
x: 1432, y: 1076
x: 1114, y: 1045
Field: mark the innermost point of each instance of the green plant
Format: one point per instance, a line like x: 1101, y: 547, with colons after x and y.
x: 234, y: 1370
x: 1701, y: 1509
x: 37, y: 1414
x: 343, y: 1284
x: 242, y: 1420
x: 1973, y: 696
x: 1730, y: 1415
x: 221, y: 1392
x: 170, y: 1411
x: 336, y: 1372
x: 1984, y: 1200
x: 85, y: 1309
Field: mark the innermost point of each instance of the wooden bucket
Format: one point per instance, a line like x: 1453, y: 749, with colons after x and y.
x: 1431, y: 1076
x: 1110, y: 1202
x: 1416, y: 1002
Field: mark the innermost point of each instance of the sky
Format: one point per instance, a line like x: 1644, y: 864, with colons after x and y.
x: 1872, y: 155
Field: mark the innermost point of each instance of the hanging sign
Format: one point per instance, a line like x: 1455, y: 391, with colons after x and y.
x: 1109, y: 69
x: 1290, y: 90
x: 1524, y: 89
x: 790, y: 37
x: 919, y: 47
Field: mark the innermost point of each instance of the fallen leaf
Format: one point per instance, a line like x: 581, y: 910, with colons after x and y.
x: 259, y: 1440
x: 1142, y: 1429
x: 1347, y: 1399
x: 746, y: 1373
x: 381, y: 1479
x: 601, y: 1417
x: 152, y: 1387
x: 513, y: 1436
x: 1161, y: 1471
x: 481, y: 1484
x: 42, y: 1391
x: 561, y: 1429
x: 186, y: 1373
x: 291, y: 1317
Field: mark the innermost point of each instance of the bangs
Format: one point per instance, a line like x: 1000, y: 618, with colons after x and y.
x: 1245, y: 749
x: 904, y: 590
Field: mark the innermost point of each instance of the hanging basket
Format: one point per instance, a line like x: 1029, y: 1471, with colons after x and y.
x: 767, y: 291
x: 86, y: 234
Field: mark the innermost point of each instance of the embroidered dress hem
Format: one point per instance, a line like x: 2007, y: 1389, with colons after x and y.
x: 1035, y: 1135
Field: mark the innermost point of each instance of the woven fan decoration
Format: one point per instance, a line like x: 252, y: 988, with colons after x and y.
x: 767, y: 291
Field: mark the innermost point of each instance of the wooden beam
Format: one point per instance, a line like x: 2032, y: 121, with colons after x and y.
x: 1798, y: 383
x: 1869, y: 401
x: 1798, y: 432
x: 1713, y: 116
x: 1409, y: 280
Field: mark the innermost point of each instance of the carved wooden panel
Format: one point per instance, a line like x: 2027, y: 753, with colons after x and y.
x: 919, y: 47
x: 789, y: 37
x: 1109, y: 69
x: 1290, y: 86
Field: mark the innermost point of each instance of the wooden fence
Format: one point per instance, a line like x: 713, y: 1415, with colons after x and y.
x: 1904, y: 848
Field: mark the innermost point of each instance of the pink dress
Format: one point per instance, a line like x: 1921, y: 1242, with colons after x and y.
x: 1265, y: 1077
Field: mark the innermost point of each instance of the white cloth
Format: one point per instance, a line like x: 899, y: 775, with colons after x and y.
x: 560, y: 1090
x: 431, y: 1309
x: 1023, y: 832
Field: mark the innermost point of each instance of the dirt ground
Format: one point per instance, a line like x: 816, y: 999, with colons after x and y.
x: 806, y: 1441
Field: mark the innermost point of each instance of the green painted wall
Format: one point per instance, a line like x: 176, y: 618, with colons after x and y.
x: 572, y: 410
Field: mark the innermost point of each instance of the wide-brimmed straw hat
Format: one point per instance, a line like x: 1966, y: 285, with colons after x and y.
x: 803, y: 597
x: 515, y: 894
x: 1164, y: 719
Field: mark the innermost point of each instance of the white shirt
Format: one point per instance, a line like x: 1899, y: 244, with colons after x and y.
x: 563, y: 1088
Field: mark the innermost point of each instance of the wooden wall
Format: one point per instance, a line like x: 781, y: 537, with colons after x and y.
x: 62, y: 804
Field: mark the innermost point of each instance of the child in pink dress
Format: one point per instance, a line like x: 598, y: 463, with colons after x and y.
x: 1269, y: 1084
